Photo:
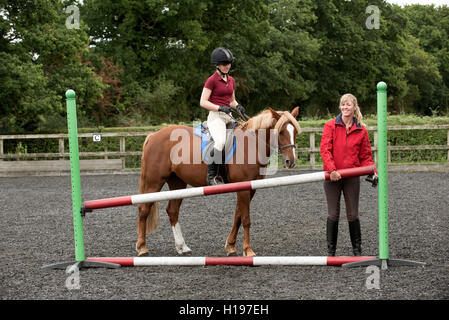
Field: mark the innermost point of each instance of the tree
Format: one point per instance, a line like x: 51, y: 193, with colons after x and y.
x: 41, y: 59
x: 353, y: 57
x: 430, y: 26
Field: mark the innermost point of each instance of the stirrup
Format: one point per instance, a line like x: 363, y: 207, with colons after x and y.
x: 214, y: 181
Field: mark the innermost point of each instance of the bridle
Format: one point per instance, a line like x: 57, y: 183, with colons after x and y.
x: 246, y: 118
x: 287, y: 146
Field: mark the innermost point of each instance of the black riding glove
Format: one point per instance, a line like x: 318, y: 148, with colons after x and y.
x: 374, y: 179
x: 241, y: 109
x: 225, y: 109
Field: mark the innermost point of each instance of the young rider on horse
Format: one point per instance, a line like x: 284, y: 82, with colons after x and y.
x: 218, y: 97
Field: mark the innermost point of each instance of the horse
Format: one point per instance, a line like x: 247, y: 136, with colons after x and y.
x: 160, y: 166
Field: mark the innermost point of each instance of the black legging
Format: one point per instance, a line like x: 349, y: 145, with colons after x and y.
x: 351, y: 191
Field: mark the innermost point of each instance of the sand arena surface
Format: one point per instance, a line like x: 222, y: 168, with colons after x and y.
x: 36, y: 229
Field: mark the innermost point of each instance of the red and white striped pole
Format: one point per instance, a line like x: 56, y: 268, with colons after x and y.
x: 229, y: 261
x: 223, y: 188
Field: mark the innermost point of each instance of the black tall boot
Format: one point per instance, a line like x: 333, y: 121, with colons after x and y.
x: 212, y: 174
x: 222, y: 169
x: 223, y: 172
x: 356, y: 237
x: 212, y: 168
x: 332, y: 235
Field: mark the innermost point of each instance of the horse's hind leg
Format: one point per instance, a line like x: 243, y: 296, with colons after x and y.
x: 141, y: 244
x: 147, y: 220
x: 173, y: 213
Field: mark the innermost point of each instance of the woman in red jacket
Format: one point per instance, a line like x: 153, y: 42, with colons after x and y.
x: 344, y: 144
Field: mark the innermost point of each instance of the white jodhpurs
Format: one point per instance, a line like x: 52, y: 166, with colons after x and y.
x: 216, y: 121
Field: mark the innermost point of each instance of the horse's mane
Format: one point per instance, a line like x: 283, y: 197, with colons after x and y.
x: 265, y: 120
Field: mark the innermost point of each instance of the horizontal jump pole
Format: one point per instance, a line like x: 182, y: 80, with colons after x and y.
x: 223, y: 188
x: 229, y: 261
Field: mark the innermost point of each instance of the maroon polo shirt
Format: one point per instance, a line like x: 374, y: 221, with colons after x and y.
x: 221, y: 91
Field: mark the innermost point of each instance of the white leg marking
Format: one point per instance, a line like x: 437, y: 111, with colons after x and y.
x: 180, y: 244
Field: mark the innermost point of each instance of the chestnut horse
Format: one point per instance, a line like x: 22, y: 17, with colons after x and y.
x: 158, y: 167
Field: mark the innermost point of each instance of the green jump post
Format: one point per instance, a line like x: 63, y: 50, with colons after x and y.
x: 382, y: 167
x: 383, y: 260
x: 75, y: 175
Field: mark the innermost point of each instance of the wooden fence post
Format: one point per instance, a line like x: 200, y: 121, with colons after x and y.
x: 61, y: 148
x: 312, y: 149
x: 123, y: 149
x: 1, y: 147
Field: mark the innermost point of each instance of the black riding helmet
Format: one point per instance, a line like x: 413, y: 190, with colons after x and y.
x: 221, y: 56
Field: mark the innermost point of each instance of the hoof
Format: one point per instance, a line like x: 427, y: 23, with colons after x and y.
x: 249, y: 253
x: 230, y: 250
x: 141, y: 251
x: 143, y: 254
x: 184, y: 251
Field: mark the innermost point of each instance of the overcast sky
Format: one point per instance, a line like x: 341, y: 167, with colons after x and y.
x: 435, y: 2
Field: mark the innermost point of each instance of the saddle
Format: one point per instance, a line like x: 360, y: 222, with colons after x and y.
x: 207, y: 142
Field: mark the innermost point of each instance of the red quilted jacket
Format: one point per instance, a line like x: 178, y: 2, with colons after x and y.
x: 341, y: 150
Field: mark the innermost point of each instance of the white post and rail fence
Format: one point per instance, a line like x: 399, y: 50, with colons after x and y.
x: 22, y: 163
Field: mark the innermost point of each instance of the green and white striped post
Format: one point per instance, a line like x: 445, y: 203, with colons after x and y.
x: 382, y: 170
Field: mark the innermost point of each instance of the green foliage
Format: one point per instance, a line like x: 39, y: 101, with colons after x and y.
x: 40, y: 60
x: 144, y: 62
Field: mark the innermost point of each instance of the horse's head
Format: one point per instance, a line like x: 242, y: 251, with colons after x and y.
x: 287, y: 128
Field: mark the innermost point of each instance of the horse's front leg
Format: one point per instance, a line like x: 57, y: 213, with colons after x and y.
x: 230, y: 241
x: 173, y: 213
x: 244, y: 199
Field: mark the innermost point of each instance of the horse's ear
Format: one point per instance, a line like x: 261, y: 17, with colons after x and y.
x: 295, y: 112
x: 274, y: 114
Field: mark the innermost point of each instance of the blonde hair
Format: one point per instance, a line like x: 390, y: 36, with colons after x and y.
x: 357, y: 113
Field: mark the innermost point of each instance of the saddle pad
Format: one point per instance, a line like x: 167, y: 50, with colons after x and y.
x: 207, y: 142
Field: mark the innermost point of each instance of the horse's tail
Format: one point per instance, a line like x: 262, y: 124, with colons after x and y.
x: 153, y: 217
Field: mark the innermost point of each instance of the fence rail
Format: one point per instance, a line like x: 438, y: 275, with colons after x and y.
x: 13, y: 164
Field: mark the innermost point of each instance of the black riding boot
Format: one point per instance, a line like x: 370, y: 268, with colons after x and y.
x: 212, y: 168
x: 222, y: 169
x: 223, y: 172
x: 332, y: 235
x: 356, y: 237
x: 212, y: 174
